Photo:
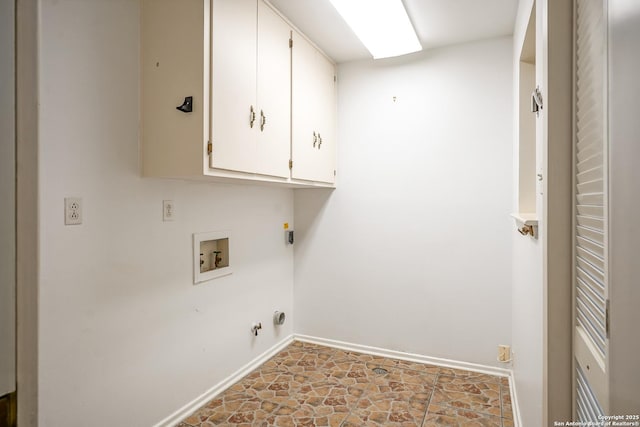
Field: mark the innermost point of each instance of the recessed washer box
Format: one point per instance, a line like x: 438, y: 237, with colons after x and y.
x: 211, y: 256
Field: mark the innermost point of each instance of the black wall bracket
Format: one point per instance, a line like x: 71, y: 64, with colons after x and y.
x: 187, y: 105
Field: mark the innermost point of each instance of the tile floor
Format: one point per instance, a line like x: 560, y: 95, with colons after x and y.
x: 311, y: 385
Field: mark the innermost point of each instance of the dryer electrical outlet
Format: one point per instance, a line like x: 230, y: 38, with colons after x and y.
x: 504, y: 353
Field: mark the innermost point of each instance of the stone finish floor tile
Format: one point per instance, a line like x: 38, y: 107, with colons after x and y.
x: 507, y: 410
x: 311, y: 385
x: 447, y: 416
x: 478, y: 397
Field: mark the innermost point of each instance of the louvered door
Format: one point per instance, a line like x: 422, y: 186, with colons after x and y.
x: 590, y: 211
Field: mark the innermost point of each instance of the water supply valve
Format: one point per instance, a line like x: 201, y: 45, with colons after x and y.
x: 255, y: 328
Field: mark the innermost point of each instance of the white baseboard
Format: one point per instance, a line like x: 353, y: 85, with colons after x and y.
x: 517, y: 420
x: 418, y: 358
x: 201, y: 400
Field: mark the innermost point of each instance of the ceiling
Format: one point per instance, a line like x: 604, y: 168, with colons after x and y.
x: 437, y: 22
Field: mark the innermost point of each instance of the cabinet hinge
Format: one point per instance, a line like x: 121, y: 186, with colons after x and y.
x: 290, y: 164
x: 606, y: 319
x: 536, y: 101
x: 209, y: 148
x: 290, y: 43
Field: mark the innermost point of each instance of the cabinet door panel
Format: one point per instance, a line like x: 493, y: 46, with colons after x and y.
x: 303, y: 108
x: 233, y: 87
x: 173, y: 68
x: 274, y: 94
x: 326, y: 119
x: 313, y: 108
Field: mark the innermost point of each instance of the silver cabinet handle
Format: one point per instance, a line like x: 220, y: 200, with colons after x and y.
x: 252, y: 117
x: 263, y: 120
x: 315, y: 139
x: 319, y: 141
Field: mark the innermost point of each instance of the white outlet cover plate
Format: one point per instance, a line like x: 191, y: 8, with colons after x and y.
x: 168, y: 210
x: 72, y: 211
x: 504, y: 353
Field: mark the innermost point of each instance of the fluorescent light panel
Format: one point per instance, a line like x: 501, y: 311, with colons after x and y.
x: 383, y: 26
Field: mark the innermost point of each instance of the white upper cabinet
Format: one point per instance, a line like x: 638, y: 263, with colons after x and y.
x: 217, y: 95
x: 273, y: 147
x: 251, y: 86
x: 233, y: 84
x: 174, y: 66
x: 313, y: 146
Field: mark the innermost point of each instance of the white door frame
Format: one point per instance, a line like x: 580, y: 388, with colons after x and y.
x: 7, y: 206
x: 27, y: 251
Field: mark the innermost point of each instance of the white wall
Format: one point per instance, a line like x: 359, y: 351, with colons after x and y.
x: 7, y: 195
x: 624, y: 209
x: 412, y: 251
x: 125, y: 337
x: 527, y: 288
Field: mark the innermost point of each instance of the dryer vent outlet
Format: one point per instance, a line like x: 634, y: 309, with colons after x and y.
x: 278, y: 318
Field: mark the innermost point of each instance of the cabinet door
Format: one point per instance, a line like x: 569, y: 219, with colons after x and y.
x: 233, y: 84
x: 326, y: 161
x: 313, y: 106
x: 174, y: 68
x: 304, y: 109
x: 273, y: 145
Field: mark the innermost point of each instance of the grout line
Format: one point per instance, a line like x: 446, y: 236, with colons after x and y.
x: 501, y: 405
x: 433, y: 391
x: 486, y: 414
x: 331, y: 358
x: 355, y: 405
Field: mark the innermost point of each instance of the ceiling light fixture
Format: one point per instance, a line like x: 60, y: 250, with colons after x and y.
x: 383, y: 26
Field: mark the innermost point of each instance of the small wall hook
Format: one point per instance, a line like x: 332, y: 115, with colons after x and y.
x: 527, y: 229
x: 187, y: 105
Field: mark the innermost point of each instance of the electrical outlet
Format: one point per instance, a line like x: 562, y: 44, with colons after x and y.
x: 504, y: 353
x: 168, y: 210
x: 72, y: 211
